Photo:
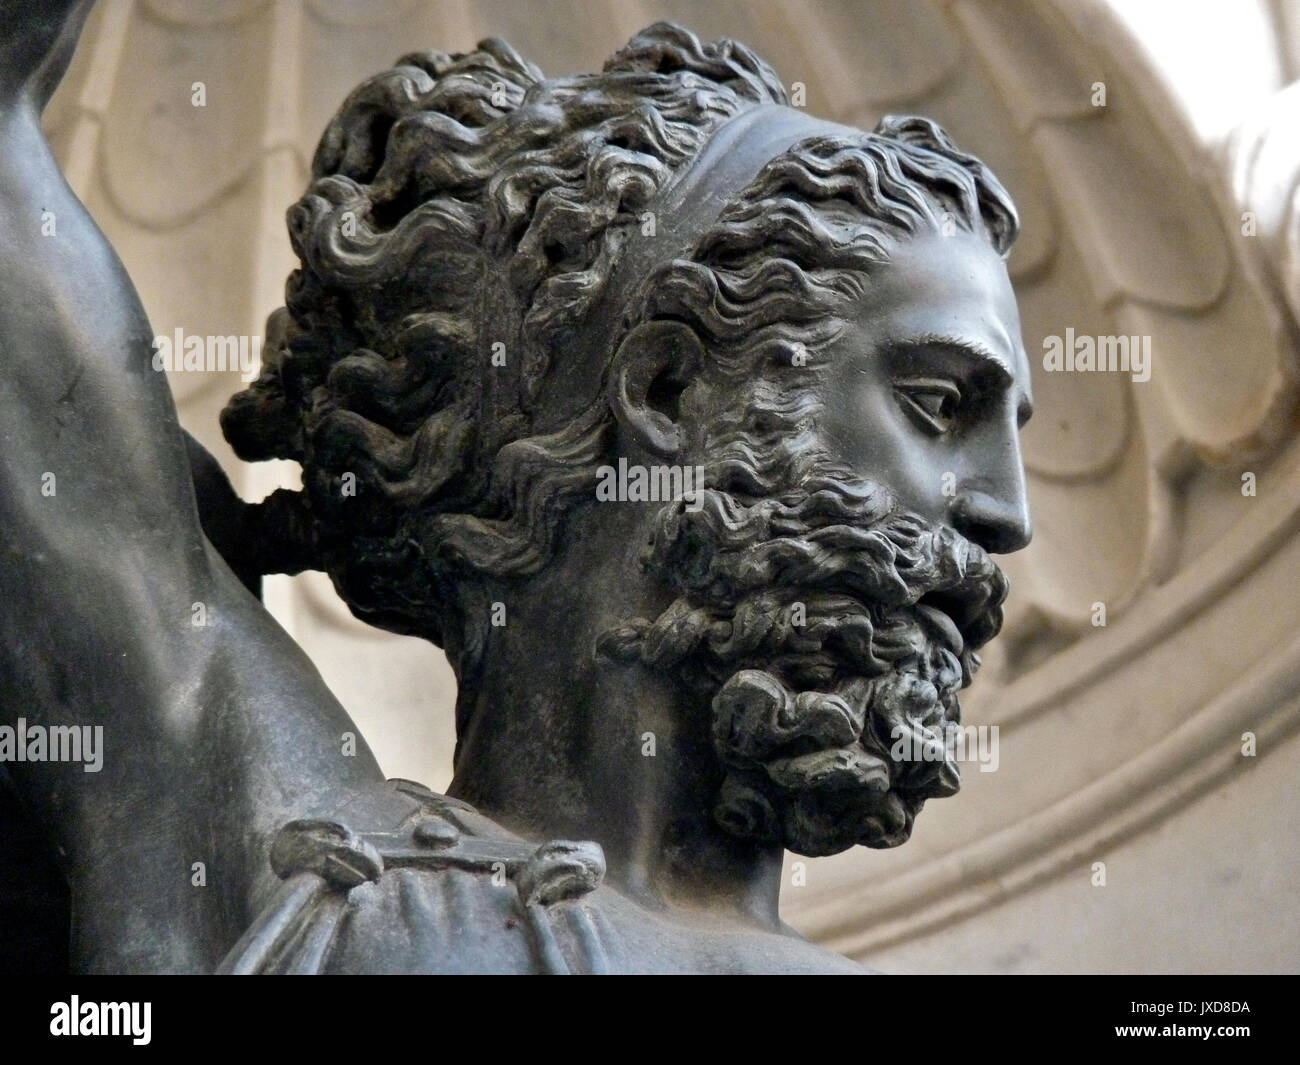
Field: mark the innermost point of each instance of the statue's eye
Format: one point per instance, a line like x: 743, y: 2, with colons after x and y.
x: 930, y: 402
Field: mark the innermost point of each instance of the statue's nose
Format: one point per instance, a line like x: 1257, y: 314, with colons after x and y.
x: 999, y: 522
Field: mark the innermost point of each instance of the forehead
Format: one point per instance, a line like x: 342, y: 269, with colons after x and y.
x: 945, y: 286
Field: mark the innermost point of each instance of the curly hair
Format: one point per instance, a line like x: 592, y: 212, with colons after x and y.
x: 464, y: 218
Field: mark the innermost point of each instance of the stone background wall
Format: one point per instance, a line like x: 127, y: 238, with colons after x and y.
x: 1168, y: 208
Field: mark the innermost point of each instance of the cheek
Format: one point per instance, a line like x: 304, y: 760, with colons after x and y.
x: 864, y: 429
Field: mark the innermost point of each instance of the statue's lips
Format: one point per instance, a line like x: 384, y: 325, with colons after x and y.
x: 954, y: 616
x: 943, y: 627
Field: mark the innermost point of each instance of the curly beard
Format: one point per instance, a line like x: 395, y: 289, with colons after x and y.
x: 827, y: 628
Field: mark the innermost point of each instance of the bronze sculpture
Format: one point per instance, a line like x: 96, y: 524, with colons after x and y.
x: 507, y: 284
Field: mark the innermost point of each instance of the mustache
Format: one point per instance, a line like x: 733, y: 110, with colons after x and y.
x: 832, y: 578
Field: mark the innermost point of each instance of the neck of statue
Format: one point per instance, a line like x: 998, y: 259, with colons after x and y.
x: 559, y: 744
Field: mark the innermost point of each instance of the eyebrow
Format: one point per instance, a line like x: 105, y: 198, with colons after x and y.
x: 967, y: 349
x: 973, y: 351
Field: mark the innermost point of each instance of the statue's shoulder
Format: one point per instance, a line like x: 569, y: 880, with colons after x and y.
x: 406, y: 880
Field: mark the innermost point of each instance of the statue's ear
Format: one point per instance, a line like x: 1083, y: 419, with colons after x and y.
x: 651, y: 369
